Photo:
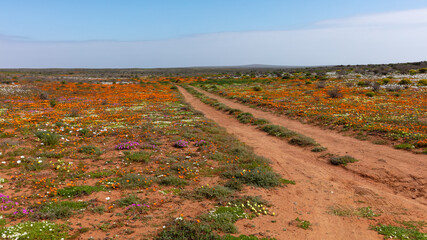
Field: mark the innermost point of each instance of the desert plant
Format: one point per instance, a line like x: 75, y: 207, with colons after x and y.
x: 91, y: 150
x: 318, y: 149
x: 422, y: 83
x: 406, y: 146
x: 341, y: 160
x: 140, y: 156
x: 334, y: 93
x: 216, y: 192
x: 173, y: 181
x: 405, y: 81
x: 278, y: 131
x: 301, y: 140
x: 48, y: 138
x: 245, y: 117
x: 370, y: 94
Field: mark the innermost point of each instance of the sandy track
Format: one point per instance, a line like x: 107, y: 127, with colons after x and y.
x: 319, y: 185
x: 404, y: 172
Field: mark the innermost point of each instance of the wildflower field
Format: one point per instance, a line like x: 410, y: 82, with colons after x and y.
x: 386, y: 111
x: 98, y: 160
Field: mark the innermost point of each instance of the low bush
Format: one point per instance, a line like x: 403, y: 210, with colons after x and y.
x: 48, y: 138
x: 91, y: 150
x: 301, y: 140
x: 278, y: 131
x: 57, y: 210
x: 77, y: 191
x: 133, y: 181
x: 406, y: 146
x: 245, y: 117
x: 187, y: 230
x: 318, y: 149
x: 405, y: 82
x: 341, y: 160
x: 216, y: 192
x: 140, y: 156
x: 334, y: 93
x: 173, y: 181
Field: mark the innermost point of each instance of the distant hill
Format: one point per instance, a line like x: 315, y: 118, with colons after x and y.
x: 250, y: 66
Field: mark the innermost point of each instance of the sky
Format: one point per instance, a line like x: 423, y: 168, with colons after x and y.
x: 184, y: 33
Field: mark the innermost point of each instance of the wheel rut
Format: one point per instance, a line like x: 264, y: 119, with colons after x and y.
x: 403, y: 172
x: 319, y: 186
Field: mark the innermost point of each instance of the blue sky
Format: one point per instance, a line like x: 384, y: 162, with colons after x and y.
x: 167, y: 33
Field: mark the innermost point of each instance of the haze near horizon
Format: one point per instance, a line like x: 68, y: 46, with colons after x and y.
x: 152, y: 34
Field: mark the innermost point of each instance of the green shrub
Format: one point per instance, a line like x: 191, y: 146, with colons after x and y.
x: 234, y: 111
x: 140, y: 156
x: 234, y: 184
x: 134, y: 181
x: 57, y: 210
x: 278, y: 131
x: 187, y: 230
x: 259, y: 176
x: 216, y: 192
x: 244, y: 237
x: 245, y: 117
x: 52, y: 102
x: 98, y: 209
x: 260, y: 121
x: 422, y: 83
x: 84, y: 132
x: 173, y: 181
x: 301, y: 140
x: 77, y: 191
x: 406, y: 146
x: 129, y: 200
x: 303, y: 223
x: 318, y: 149
x: 370, y: 94
x: 31, y: 164
x: 257, y: 88
x: 91, y: 150
x: 341, y: 160
x: 405, y: 82
x: 48, y: 138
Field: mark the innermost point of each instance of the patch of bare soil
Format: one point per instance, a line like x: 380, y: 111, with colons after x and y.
x: 389, y: 181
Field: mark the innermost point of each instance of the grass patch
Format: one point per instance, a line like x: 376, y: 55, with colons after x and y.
x: 35, y: 230
x: 140, y: 156
x: 260, y: 121
x: 406, y: 146
x: 302, y: 141
x: 184, y: 230
x: 259, y: 177
x: 365, y: 212
x: 278, y: 131
x: 342, y: 160
x: 57, y: 210
x: 77, y: 191
x: 133, y: 181
x: 173, y: 181
x: 304, y: 224
x: 390, y: 231
x: 48, y: 138
x: 245, y: 117
x: 216, y: 192
x: 129, y: 200
x: 318, y: 149
x: 90, y: 150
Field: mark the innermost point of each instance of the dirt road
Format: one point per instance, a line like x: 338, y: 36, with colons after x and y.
x: 373, y: 181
